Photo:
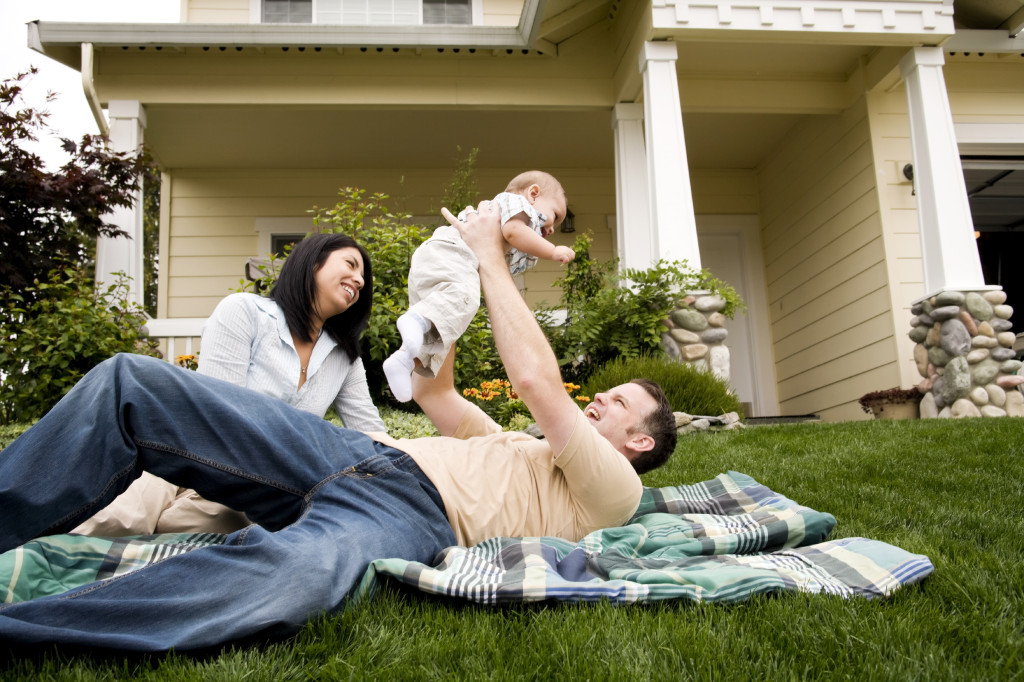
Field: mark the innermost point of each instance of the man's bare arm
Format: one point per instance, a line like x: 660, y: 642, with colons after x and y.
x: 439, y: 399
x: 529, y: 362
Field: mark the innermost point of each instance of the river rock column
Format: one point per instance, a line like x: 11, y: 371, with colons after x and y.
x: 696, y: 333
x: 965, y: 353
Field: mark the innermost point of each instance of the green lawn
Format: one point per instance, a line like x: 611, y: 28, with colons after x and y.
x: 953, y: 490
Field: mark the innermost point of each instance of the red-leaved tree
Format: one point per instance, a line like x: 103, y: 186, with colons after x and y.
x: 48, y: 218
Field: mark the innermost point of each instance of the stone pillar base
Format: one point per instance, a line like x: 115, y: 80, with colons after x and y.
x: 965, y: 353
x: 696, y: 333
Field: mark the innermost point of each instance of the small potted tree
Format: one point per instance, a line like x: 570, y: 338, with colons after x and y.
x: 892, y: 403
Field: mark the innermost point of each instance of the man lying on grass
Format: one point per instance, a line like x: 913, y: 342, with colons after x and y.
x: 325, y: 501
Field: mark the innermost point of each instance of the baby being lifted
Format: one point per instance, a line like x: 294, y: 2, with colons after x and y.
x: 444, y: 287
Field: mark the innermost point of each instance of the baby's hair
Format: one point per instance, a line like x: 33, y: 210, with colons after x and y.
x: 546, y: 181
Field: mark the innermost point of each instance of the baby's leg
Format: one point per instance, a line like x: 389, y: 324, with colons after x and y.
x: 413, y: 328
x: 444, y: 288
x: 398, y: 371
x: 444, y: 294
x: 398, y: 368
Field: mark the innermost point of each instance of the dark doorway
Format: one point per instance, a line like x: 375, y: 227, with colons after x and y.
x: 995, y: 189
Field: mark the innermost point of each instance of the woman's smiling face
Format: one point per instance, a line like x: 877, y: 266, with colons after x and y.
x: 338, y: 282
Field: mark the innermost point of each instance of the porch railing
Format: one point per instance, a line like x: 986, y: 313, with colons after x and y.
x: 178, y: 335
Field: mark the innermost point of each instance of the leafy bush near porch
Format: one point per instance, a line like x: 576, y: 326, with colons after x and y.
x: 67, y: 326
x: 688, y: 389
x: 611, y: 315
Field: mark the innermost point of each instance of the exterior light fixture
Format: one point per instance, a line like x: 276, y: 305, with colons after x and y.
x: 569, y: 224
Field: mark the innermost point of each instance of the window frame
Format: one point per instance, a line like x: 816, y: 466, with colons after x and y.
x: 269, y: 228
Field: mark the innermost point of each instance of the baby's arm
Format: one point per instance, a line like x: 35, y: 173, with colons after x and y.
x: 521, y: 236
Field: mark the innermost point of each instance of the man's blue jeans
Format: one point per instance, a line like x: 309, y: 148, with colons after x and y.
x: 325, y: 501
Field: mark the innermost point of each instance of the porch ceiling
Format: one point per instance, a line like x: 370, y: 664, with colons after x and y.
x: 989, y: 14
x: 298, y: 137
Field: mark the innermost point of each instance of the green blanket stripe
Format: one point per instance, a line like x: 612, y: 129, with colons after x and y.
x: 58, y: 563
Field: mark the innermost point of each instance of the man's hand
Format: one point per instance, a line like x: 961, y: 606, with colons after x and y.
x: 481, y: 232
x: 563, y: 254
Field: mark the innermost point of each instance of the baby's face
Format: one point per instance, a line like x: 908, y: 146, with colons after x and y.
x: 551, y: 203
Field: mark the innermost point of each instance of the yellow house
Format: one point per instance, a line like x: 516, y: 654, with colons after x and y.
x: 811, y: 152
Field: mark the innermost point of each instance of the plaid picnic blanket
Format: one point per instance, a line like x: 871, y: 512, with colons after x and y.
x: 58, y: 563
x: 721, y: 540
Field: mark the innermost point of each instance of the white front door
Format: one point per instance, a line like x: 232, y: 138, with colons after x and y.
x: 729, y: 248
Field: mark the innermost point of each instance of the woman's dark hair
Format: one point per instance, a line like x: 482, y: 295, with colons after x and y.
x: 295, y: 291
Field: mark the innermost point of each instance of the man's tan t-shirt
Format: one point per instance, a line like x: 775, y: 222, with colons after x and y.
x: 496, y: 483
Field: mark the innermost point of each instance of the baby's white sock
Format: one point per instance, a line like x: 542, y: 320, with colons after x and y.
x: 413, y: 327
x: 398, y: 370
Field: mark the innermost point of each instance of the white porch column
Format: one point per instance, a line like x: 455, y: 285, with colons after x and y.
x: 949, y: 252
x: 673, y: 226
x: 634, y: 237
x: 127, y: 124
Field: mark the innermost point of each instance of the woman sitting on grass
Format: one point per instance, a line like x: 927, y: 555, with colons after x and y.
x: 299, y: 344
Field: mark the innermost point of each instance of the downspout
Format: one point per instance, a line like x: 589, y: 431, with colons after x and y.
x: 88, y: 67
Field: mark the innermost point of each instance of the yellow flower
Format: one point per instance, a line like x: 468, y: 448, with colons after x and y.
x: 187, y: 361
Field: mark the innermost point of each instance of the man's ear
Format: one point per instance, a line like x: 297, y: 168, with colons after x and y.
x: 640, y: 442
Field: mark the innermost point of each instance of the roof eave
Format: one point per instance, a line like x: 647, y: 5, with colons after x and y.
x: 62, y: 40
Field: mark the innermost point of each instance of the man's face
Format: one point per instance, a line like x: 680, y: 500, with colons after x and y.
x: 617, y: 412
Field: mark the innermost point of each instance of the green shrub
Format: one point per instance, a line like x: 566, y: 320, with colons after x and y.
x: 390, y: 239
x: 461, y: 190
x: 50, y: 343
x: 401, y: 424
x: 8, y: 432
x: 689, y: 390
x: 610, y: 316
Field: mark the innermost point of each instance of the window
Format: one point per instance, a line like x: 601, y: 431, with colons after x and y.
x: 401, y: 12
x: 287, y: 11
x: 279, y: 241
x: 367, y: 12
x: 447, y: 12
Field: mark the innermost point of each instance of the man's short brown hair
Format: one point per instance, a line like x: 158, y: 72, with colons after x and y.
x: 659, y: 424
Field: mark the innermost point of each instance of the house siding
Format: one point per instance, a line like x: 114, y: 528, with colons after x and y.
x: 890, y: 138
x: 986, y: 89
x: 826, y: 277
x: 216, y: 12
x: 724, y: 192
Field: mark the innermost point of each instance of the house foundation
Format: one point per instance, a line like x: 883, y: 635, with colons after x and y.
x: 964, y: 352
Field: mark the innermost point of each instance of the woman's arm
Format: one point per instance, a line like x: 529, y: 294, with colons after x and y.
x: 227, y: 340
x: 521, y: 236
x: 353, y: 403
